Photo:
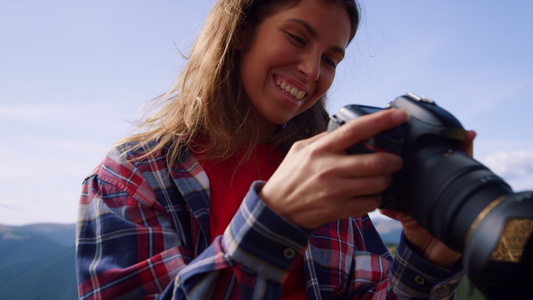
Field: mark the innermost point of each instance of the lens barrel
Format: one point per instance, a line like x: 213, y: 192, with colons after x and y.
x: 473, y: 211
x: 438, y: 187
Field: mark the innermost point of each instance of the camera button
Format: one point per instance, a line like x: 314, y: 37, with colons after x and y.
x: 289, y: 253
x: 419, y: 280
x: 427, y: 100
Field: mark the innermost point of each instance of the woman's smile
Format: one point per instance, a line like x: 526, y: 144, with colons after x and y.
x: 290, y: 90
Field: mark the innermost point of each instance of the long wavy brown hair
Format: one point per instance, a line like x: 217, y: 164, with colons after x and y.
x: 207, y: 98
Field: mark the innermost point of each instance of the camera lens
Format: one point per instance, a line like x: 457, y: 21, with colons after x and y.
x: 473, y: 211
x: 437, y: 187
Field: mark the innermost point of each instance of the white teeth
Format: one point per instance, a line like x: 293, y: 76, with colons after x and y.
x: 296, y: 93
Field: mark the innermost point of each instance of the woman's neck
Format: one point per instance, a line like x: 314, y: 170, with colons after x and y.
x: 265, y: 128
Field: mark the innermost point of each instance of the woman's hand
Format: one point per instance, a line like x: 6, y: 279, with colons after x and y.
x: 318, y: 182
x: 431, y: 248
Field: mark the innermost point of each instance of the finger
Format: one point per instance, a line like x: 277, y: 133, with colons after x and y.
x: 371, y: 164
x: 363, y: 128
x: 408, y: 222
x: 468, y: 144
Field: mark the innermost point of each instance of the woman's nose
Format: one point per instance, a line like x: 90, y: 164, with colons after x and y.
x: 310, y: 66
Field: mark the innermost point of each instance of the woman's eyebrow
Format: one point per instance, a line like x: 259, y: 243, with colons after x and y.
x: 312, y: 32
x: 308, y: 27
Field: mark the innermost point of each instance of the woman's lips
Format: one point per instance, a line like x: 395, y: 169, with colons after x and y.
x: 292, y: 91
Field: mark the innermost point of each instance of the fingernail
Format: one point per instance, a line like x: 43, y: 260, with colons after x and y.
x: 400, y: 115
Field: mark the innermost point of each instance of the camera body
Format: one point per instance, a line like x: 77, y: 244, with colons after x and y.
x: 429, y: 125
x: 456, y: 198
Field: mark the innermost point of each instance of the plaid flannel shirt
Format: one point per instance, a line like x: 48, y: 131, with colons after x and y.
x: 143, y: 232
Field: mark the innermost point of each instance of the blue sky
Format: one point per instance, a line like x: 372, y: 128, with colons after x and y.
x: 73, y: 75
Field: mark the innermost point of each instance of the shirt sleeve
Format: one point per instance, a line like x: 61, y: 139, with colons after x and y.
x: 261, y: 247
x: 414, y: 277
x: 406, y: 276
x: 125, y: 249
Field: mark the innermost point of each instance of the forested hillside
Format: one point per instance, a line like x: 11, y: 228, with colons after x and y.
x: 37, y: 262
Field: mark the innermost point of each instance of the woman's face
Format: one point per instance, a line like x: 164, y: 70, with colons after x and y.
x: 289, y: 61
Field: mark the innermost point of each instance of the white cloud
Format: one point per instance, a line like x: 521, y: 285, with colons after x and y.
x: 514, y: 166
x: 510, y: 164
x: 522, y: 184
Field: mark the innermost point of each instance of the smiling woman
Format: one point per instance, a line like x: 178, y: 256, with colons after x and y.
x: 233, y: 191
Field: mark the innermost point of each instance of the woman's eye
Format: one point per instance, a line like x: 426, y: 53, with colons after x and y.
x: 297, y: 39
x: 330, y: 62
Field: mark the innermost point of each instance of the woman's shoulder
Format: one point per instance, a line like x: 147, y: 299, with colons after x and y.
x: 132, y: 164
x: 151, y: 155
x: 140, y: 151
x: 127, y: 158
x: 136, y: 151
x: 137, y: 169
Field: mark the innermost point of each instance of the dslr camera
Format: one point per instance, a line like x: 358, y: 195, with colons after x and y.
x: 456, y: 198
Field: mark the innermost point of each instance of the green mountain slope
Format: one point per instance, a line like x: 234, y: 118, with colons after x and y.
x: 37, y: 262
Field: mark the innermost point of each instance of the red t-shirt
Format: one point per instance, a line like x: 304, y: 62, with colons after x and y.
x: 228, y: 186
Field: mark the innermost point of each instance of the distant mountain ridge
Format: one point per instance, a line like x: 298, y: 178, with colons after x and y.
x: 37, y: 261
x: 64, y: 234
